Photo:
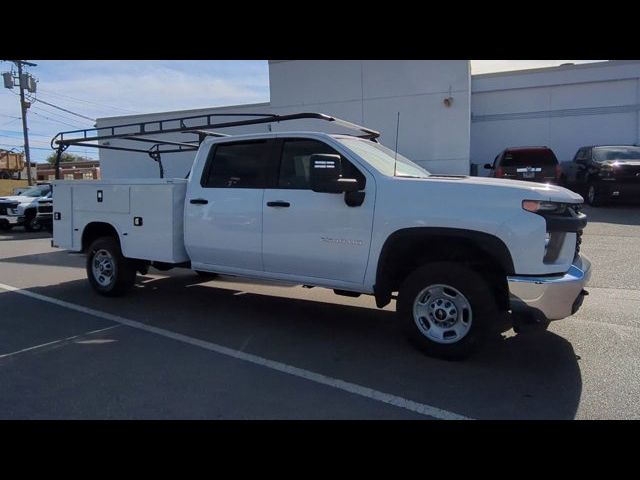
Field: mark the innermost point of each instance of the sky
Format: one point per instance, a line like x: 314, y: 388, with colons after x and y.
x: 107, y: 88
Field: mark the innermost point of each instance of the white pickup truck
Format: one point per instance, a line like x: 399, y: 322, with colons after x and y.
x: 344, y: 213
x: 22, y: 209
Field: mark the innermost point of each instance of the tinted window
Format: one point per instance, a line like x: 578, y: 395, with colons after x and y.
x: 238, y: 165
x: 602, y: 154
x: 528, y: 157
x: 296, y: 160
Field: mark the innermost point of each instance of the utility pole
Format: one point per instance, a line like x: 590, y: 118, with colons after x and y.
x: 24, y: 81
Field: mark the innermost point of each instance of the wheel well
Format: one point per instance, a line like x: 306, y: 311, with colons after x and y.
x: 31, y: 211
x: 409, y: 249
x: 96, y: 230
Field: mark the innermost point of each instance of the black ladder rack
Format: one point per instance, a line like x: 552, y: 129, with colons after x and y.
x: 197, y: 124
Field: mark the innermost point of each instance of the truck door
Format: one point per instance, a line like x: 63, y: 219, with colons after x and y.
x: 223, y: 208
x: 309, y: 234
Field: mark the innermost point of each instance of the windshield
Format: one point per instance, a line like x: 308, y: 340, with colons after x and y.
x: 37, y: 191
x: 601, y: 154
x: 383, y: 158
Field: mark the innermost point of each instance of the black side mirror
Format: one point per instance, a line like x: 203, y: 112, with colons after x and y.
x: 326, y: 175
x: 488, y: 166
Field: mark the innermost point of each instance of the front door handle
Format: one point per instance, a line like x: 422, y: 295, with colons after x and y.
x: 198, y: 201
x: 278, y: 204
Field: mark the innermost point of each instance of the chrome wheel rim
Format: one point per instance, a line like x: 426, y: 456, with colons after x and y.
x: 442, y: 314
x: 591, y: 194
x: 103, y: 268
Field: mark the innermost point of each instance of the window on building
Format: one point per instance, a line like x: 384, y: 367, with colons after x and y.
x: 87, y: 176
x: 238, y: 165
x: 68, y: 176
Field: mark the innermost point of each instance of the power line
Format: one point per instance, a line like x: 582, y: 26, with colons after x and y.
x: 49, y: 92
x: 33, y: 99
x: 56, y: 114
x: 58, y: 121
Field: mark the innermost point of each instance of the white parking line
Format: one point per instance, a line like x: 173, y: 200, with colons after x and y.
x: 360, y: 390
x: 54, y: 342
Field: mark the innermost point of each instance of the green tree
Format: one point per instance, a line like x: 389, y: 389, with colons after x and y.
x: 66, y: 157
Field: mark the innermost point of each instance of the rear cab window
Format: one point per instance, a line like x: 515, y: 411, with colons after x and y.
x: 529, y: 157
x: 237, y: 165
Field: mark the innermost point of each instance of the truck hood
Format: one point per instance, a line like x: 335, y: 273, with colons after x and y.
x: 529, y: 190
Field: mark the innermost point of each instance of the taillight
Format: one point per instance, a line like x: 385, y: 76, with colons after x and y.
x: 558, y: 172
x: 499, y: 172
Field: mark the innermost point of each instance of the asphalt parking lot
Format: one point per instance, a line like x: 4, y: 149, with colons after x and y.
x: 182, y: 347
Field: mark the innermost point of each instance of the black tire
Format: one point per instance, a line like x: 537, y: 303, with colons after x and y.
x: 475, y: 290
x: 207, y: 275
x: 123, y: 274
x: 592, y: 196
x: 31, y: 223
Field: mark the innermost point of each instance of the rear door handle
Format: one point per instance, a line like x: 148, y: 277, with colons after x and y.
x: 278, y: 204
x: 198, y: 201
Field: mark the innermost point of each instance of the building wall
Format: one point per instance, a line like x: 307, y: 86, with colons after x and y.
x: 367, y: 92
x: 372, y: 92
x: 562, y: 107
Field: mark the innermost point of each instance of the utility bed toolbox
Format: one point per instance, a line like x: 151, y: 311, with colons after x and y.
x: 147, y: 214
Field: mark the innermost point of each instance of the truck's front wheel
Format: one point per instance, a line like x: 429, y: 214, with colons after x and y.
x: 109, y: 273
x: 446, y: 309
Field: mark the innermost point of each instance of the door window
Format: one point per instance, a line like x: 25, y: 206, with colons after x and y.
x: 296, y: 161
x: 237, y: 165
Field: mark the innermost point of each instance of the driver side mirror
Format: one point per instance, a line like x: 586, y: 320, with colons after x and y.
x: 326, y: 175
x: 488, y: 166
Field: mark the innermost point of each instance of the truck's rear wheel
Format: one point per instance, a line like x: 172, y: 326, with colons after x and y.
x: 446, y: 309
x: 109, y: 273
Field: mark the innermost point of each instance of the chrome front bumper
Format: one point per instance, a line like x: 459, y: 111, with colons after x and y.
x: 554, y: 297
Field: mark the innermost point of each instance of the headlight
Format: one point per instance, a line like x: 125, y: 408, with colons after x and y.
x: 536, y: 206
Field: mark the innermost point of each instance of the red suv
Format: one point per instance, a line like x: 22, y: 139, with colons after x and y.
x: 534, y: 164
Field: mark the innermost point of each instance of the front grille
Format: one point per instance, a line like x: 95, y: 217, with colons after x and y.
x: 3, y: 210
x: 576, y: 209
x: 578, y: 242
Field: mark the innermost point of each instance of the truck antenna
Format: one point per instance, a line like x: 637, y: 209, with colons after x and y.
x: 395, y: 162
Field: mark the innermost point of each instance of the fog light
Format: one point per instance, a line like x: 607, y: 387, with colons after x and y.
x: 547, y: 239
